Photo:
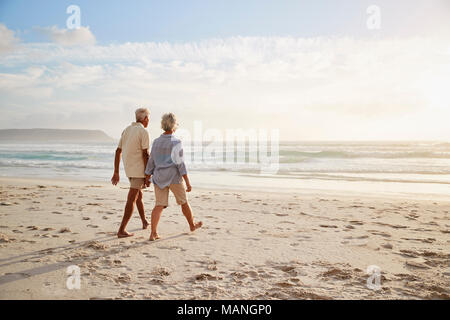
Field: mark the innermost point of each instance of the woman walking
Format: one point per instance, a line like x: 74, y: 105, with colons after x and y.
x: 167, y: 170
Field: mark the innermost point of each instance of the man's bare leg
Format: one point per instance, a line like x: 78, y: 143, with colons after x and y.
x: 186, y: 208
x: 129, y: 207
x: 140, y: 206
x: 156, y: 215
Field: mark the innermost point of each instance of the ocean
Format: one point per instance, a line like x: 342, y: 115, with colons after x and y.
x: 380, y: 167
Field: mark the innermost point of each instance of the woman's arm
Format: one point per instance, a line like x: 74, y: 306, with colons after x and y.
x: 182, y: 168
x: 150, y: 167
x: 188, y: 183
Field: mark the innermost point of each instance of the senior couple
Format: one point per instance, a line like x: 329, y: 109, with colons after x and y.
x: 159, y: 167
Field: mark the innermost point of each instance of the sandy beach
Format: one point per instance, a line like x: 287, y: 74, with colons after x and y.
x: 254, y: 245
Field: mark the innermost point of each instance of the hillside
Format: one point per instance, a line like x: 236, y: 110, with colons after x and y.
x: 53, y: 135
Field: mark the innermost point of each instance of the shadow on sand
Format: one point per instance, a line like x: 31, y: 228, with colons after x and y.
x: 19, y: 275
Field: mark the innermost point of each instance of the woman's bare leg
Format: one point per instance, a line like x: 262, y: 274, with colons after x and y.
x: 156, y: 215
x: 186, y: 208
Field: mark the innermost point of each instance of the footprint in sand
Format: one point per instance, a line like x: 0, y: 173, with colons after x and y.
x: 281, y: 214
x: 171, y: 248
x: 399, y: 227
x: 156, y: 281
x: 161, y: 271
x: 253, y: 239
x: 96, y: 245
x: 15, y: 276
x: 211, y: 265
x: 408, y: 253
x: 252, y: 273
x: 5, y: 239
x: 148, y: 255
x: 417, y: 263
x: 379, y: 233
x: 287, y: 222
x: 123, y: 278
x: 206, y: 276
x: 337, y: 273
x: 428, y: 240
x: 284, y: 284
x: 29, y: 241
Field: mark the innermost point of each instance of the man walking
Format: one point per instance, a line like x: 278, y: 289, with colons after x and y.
x: 133, y: 146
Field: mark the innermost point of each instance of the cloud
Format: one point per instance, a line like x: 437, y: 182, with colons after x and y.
x: 319, y: 88
x: 69, y: 37
x: 7, y: 39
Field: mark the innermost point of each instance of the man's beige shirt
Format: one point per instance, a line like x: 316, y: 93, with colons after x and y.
x: 133, y: 141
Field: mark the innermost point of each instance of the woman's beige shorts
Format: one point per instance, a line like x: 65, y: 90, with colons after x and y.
x: 162, y: 195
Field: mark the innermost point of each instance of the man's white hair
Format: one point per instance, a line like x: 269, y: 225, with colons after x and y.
x: 141, y: 113
x: 169, y: 122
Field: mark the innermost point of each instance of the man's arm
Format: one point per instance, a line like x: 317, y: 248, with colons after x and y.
x: 115, y: 178
x: 145, y: 144
x: 145, y: 156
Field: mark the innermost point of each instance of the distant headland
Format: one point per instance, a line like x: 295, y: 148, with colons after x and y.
x: 53, y: 135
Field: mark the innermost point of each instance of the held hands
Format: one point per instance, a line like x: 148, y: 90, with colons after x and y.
x: 115, y: 178
x: 147, y: 181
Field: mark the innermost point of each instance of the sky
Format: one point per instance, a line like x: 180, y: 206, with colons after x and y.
x: 314, y: 70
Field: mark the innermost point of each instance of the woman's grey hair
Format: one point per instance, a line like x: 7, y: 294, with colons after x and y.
x: 169, y: 122
x: 141, y: 113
